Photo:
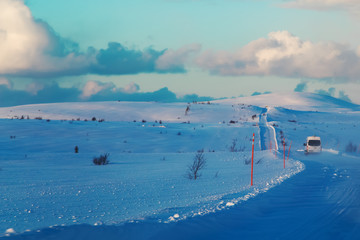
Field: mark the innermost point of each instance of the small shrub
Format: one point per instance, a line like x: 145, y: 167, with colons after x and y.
x: 235, y: 148
x: 102, y: 160
x: 259, y: 161
x: 76, y: 149
x: 93, y: 119
x: 350, y: 147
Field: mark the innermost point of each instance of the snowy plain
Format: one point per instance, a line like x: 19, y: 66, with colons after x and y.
x: 45, y: 185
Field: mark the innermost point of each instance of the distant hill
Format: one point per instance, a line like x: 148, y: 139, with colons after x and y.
x: 216, y: 111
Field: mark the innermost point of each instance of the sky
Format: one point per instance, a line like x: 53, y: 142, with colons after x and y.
x: 176, y: 50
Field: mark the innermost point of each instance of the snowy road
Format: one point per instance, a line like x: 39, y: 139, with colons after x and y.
x: 267, y: 132
x: 322, y: 202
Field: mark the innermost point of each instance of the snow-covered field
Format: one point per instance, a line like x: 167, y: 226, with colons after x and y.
x: 44, y: 183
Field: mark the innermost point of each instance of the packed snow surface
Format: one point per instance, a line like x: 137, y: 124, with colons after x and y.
x: 46, y: 184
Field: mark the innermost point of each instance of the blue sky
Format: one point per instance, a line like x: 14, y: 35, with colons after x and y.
x: 101, y: 50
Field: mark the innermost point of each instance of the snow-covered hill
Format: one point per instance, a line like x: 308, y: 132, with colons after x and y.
x: 215, y: 111
x: 45, y: 183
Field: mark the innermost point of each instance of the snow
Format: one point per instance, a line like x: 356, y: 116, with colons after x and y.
x: 46, y: 185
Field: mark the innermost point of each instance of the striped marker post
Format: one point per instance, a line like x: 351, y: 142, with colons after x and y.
x: 284, y: 151
x: 289, y: 152
x: 252, y: 159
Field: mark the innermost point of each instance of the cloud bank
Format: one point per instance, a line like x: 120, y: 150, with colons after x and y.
x: 37, y: 92
x: 302, y: 87
x: 31, y: 48
x: 283, y: 54
x: 332, y: 92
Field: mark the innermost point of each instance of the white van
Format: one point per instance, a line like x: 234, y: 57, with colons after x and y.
x: 313, y: 144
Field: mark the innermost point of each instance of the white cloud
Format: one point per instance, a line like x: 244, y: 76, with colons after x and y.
x: 283, y: 54
x: 6, y: 82
x: 25, y: 43
x: 352, y: 6
x: 176, y: 58
x: 31, y: 48
x: 34, y: 87
x: 93, y: 87
x: 131, y: 88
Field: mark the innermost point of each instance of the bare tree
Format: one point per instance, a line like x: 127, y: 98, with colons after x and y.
x: 198, y: 164
x: 233, y: 146
x: 187, y: 110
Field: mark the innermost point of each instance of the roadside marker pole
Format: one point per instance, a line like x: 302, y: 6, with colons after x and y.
x: 252, y: 159
x: 284, y: 151
x: 289, y: 152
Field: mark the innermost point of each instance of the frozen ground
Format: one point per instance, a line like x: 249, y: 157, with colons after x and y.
x: 144, y: 193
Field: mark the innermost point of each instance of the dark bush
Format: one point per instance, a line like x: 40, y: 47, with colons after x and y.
x: 351, y: 147
x: 102, y: 160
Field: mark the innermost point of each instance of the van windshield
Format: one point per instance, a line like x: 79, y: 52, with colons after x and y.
x: 314, y: 143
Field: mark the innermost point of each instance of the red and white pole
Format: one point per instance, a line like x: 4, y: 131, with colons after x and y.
x: 284, y: 151
x: 289, y: 152
x: 252, y: 159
